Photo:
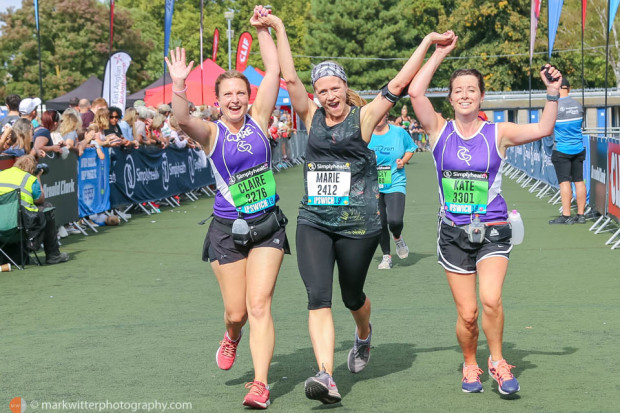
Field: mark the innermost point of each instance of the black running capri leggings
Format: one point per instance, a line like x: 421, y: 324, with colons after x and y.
x: 391, y: 211
x: 318, y: 250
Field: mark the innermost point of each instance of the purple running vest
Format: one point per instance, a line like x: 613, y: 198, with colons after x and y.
x: 234, y: 153
x: 473, y: 160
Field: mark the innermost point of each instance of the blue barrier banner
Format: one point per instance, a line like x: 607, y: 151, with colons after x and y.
x: 151, y: 174
x: 93, y: 183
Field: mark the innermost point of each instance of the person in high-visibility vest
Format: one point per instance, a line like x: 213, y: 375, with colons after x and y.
x: 40, y: 225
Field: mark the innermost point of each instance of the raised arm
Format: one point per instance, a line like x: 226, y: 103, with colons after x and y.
x: 267, y: 94
x: 431, y: 121
x: 194, y: 127
x: 372, y: 113
x: 303, y: 105
x: 511, y: 134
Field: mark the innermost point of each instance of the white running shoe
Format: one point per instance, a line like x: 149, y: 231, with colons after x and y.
x: 62, y: 232
x: 402, y: 250
x: 386, y: 262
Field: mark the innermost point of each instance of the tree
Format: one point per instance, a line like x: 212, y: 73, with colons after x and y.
x: 74, y: 46
x: 371, y: 39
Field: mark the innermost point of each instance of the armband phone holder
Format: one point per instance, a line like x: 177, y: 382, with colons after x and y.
x: 385, y: 92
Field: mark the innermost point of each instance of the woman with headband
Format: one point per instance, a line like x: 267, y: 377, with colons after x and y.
x: 338, y: 220
x: 245, y: 262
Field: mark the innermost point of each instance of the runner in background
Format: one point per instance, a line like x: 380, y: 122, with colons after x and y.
x: 245, y: 263
x: 474, y: 235
x: 338, y: 219
x: 393, y: 147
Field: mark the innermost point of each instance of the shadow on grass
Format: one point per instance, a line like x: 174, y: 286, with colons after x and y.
x: 290, y: 370
x: 517, y: 357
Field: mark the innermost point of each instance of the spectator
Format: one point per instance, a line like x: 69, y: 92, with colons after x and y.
x: 12, y: 103
x: 568, y: 155
x: 404, y: 120
x: 178, y: 138
x: 127, y: 126
x: 74, y: 103
x: 16, y: 140
x: 165, y: 111
x: 114, y: 128
x: 142, y: 126
x: 90, y: 140
x: 85, y: 112
x: 28, y: 109
x: 70, y: 127
x: 43, y: 134
x: 102, y: 120
x: 39, y: 222
x: 157, y: 136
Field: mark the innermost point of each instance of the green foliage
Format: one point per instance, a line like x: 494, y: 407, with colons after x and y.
x: 74, y: 46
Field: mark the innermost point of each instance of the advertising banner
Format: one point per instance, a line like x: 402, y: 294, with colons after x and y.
x: 598, y: 174
x: 243, y: 51
x: 93, y: 183
x: 613, y: 163
x: 60, y: 186
x: 115, y: 80
x: 152, y: 174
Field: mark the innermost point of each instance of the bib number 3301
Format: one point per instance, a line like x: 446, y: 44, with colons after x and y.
x: 329, y: 183
x: 253, y: 189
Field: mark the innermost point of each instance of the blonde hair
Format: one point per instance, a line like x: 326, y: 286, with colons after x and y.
x: 22, y: 133
x: 131, y: 115
x: 353, y: 99
x: 68, y: 123
x: 102, y: 118
x: 158, y: 121
x: 26, y: 163
x: 174, y: 124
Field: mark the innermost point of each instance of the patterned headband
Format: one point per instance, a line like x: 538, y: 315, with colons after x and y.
x: 327, y: 69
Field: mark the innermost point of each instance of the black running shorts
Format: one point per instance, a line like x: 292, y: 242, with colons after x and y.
x: 219, y: 246
x: 456, y: 254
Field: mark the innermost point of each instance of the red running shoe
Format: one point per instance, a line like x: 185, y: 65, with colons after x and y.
x: 258, y: 396
x: 227, y: 352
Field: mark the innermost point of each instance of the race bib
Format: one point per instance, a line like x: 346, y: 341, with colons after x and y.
x: 329, y: 183
x: 384, y: 173
x: 465, y: 192
x: 254, y: 189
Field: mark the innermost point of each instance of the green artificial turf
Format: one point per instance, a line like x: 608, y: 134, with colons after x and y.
x: 136, y: 316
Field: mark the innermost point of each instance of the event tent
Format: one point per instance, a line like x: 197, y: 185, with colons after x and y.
x: 195, y: 82
x: 90, y: 89
x: 255, y: 78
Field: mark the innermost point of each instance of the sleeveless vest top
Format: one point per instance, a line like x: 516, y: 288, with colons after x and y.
x: 468, y: 175
x: 340, y: 179
x: 241, y: 164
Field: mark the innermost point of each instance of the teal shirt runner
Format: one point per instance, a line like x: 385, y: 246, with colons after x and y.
x: 390, y: 147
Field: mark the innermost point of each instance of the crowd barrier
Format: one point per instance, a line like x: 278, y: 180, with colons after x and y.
x: 531, y: 165
x: 82, y: 186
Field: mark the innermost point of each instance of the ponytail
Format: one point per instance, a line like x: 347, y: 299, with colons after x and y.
x: 353, y: 99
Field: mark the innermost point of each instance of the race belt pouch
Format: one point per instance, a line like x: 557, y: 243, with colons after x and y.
x: 257, y: 230
x: 476, y: 231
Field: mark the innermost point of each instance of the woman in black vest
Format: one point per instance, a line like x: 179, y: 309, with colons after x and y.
x: 338, y: 220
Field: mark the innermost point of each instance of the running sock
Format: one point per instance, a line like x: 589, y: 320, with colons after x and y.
x: 234, y: 341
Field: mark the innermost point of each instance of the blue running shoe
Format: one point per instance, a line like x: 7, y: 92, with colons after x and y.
x: 471, y: 379
x: 506, y: 381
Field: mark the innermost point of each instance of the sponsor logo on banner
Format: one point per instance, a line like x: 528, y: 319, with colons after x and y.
x: 129, y: 176
x: 165, y: 170
x: 115, y: 80
x: 243, y: 51
x: 613, y: 160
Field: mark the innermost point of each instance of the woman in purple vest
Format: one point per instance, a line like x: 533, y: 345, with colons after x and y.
x: 474, y: 235
x: 245, y: 263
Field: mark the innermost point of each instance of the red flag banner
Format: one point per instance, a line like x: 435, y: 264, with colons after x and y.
x: 535, y: 14
x: 216, y: 42
x: 243, y: 51
x: 584, y: 5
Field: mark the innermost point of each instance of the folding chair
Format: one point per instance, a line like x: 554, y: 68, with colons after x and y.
x: 11, y: 225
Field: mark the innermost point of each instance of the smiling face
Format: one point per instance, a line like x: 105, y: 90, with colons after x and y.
x: 233, y: 98
x: 466, y: 96
x: 403, y: 111
x: 332, y: 94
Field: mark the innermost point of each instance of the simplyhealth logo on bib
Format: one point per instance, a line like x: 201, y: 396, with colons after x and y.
x: 253, y: 189
x: 465, y: 192
x: 329, y: 183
